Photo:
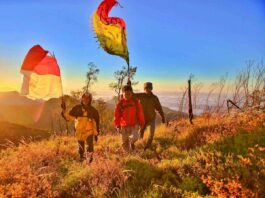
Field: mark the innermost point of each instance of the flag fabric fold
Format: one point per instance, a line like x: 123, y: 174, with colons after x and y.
x: 110, y: 31
x: 42, y: 78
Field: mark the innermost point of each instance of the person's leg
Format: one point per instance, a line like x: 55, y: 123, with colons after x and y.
x: 151, y: 134
x: 125, y: 138
x: 90, y: 148
x: 142, y: 130
x: 134, y: 135
x: 90, y: 144
x: 81, y: 146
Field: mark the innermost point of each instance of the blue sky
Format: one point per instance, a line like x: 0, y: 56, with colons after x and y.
x: 167, y: 39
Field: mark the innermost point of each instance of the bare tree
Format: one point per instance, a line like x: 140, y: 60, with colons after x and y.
x: 91, y: 76
x: 120, y: 77
x: 116, y: 86
x: 76, y: 94
x: 249, y: 85
x: 258, y: 84
x: 220, y: 86
x: 190, y: 100
x: 207, y: 108
x: 246, y: 81
x: 182, y: 100
x: 197, y: 86
x: 237, y: 96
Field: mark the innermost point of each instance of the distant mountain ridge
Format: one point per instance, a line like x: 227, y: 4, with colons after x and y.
x: 18, y: 109
x: 14, y: 98
x: 46, y: 114
x: 15, y: 133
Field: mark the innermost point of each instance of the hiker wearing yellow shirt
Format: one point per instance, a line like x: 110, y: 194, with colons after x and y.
x: 86, y: 125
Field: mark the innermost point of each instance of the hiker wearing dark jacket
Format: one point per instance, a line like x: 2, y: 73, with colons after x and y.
x: 86, y: 125
x: 150, y: 104
x: 128, y: 117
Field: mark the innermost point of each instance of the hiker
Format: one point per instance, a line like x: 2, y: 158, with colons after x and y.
x: 150, y: 104
x: 128, y: 116
x: 86, y: 125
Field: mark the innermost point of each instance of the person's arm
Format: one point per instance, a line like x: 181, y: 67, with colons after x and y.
x: 71, y: 115
x: 140, y: 114
x: 74, y: 112
x: 158, y: 108
x: 97, y: 120
x: 138, y: 96
x: 117, y: 116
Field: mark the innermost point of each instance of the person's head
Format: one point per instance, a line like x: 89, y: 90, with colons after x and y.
x: 148, y: 87
x: 86, y: 98
x: 127, y: 92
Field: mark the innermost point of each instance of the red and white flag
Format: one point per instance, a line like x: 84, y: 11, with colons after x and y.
x: 42, y: 78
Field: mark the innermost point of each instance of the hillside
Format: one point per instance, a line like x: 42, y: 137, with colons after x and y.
x: 220, y: 156
x: 13, y: 134
x: 46, y: 114
x: 19, y: 109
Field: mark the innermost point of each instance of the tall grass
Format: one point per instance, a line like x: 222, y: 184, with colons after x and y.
x: 217, y: 156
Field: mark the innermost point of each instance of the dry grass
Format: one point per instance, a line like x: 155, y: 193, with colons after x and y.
x: 185, y: 161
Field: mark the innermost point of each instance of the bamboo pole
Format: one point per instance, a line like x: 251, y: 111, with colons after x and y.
x: 190, y: 102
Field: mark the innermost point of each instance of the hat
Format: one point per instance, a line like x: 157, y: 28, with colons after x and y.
x: 148, y: 85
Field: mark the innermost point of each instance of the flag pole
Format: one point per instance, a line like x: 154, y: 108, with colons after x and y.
x: 64, y: 106
x: 62, y: 96
x: 129, y: 74
x: 53, y: 55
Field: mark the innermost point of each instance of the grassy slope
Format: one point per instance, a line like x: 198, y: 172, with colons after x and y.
x: 15, y: 133
x: 217, y: 156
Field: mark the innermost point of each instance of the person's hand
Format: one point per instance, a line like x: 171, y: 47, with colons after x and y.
x: 96, y: 138
x: 118, y: 129
x: 63, y: 105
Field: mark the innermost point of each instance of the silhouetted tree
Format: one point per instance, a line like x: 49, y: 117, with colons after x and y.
x: 91, y: 76
x: 120, y: 77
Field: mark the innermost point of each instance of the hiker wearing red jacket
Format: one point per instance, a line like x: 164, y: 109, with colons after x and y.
x: 128, y: 116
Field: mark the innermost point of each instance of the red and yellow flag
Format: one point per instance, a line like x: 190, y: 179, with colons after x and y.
x: 110, y: 31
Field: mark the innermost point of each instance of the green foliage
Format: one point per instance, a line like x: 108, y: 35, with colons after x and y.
x: 193, y: 184
x: 142, y: 175
x: 231, y: 165
x: 157, y: 191
x: 71, y: 182
x: 239, y: 144
x: 234, y: 165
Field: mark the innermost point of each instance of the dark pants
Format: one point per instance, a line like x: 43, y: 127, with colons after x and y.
x: 152, y: 125
x: 90, y: 146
